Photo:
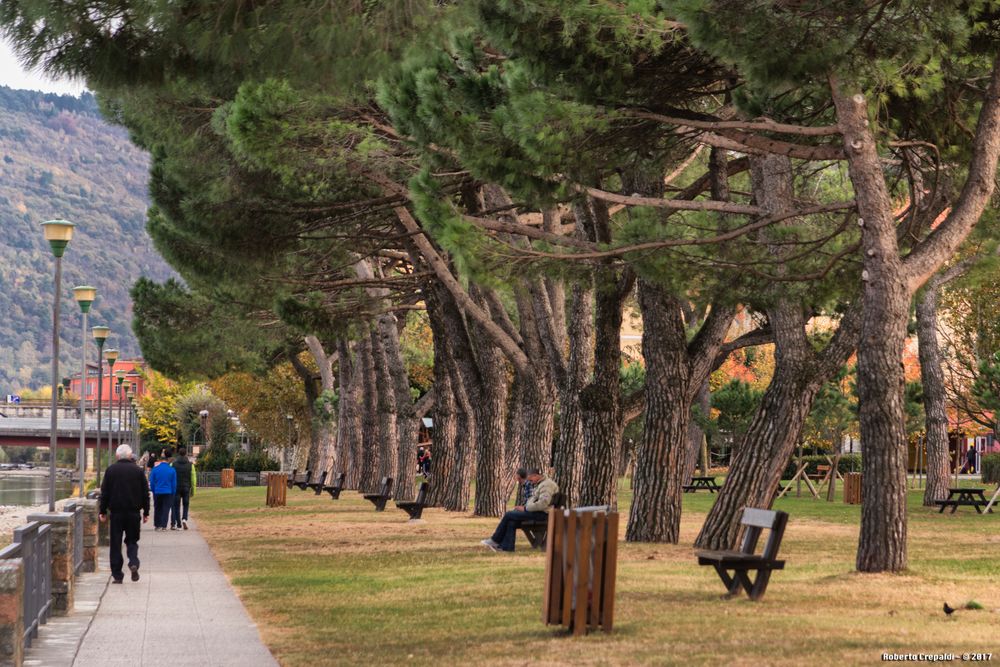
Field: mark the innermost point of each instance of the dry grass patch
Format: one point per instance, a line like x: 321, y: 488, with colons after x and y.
x: 334, y: 582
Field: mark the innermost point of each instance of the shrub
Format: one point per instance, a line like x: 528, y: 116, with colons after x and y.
x: 254, y: 462
x: 216, y: 458
x: 991, y: 468
x: 848, y: 463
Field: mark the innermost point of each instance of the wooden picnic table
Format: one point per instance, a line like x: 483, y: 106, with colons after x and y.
x: 708, y: 483
x: 965, y: 496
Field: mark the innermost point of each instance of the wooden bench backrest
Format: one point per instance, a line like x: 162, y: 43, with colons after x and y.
x: 386, y: 487
x: 422, y: 493
x: 322, y: 477
x: 307, y: 475
x: 757, y: 520
x: 340, y: 480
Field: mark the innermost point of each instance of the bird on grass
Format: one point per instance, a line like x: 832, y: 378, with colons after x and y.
x: 948, y: 610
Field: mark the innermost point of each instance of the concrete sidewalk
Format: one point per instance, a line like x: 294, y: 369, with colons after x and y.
x: 181, y: 612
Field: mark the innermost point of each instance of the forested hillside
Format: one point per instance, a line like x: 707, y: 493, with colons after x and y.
x: 60, y: 159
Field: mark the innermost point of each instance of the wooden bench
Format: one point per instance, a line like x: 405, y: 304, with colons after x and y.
x: 415, y: 507
x: 335, y: 489
x: 304, y: 482
x: 745, y: 560
x: 536, y: 531
x: 291, y: 478
x: 379, y: 499
x: 317, y: 486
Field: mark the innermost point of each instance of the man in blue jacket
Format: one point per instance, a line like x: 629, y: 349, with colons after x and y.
x: 163, y: 483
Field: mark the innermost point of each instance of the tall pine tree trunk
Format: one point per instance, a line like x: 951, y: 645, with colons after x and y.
x: 386, y: 405
x: 659, y: 465
x: 370, y: 453
x: 935, y: 412
x: 407, y: 423
x: 348, y: 416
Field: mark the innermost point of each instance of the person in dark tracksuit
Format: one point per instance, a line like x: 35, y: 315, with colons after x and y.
x: 187, y: 482
x: 125, y: 492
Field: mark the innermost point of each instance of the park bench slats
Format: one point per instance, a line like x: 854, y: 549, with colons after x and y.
x: 317, y: 486
x: 335, y: 488
x: 536, y: 531
x: 379, y: 499
x: 415, y: 508
x: 291, y: 478
x: 744, y: 560
x: 304, y: 482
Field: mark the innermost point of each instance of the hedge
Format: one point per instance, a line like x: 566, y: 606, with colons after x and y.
x: 990, y: 468
x: 848, y: 463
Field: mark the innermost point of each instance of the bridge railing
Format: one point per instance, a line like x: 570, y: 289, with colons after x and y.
x: 77, y: 510
x: 33, y: 545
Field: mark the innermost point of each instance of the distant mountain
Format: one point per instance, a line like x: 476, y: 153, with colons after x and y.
x: 60, y: 159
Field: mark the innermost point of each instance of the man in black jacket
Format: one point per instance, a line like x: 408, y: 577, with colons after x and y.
x: 125, y: 492
x: 185, y: 472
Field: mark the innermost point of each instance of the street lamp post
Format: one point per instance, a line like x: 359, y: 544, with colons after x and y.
x: 203, y: 416
x: 84, y: 296
x: 128, y: 417
x: 58, y: 233
x: 120, y: 376
x: 110, y: 355
x: 100, y: 334
x: 291, y: 448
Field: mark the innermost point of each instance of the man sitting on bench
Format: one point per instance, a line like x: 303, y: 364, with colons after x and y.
x: 533, y: 510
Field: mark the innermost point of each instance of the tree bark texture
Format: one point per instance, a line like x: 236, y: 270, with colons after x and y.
x: 312, y: 395
x: 659, y: 465
x: 407, y: 422
x: 388, y: 444
x: 935, y: 412
x: 348, y: 415
x: 886, y: 300
x: 370, y: 452
x: 444, y: 452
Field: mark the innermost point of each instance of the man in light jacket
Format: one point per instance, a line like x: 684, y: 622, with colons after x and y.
x: 544, y: 489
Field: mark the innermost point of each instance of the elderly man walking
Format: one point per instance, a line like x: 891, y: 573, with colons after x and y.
x: 125, y: 493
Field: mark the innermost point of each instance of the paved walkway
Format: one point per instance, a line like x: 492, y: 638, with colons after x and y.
x: 181, y: 612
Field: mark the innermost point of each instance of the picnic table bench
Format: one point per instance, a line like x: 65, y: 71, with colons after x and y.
x: 415, y: 507
x: 742, y: 562
x: 379, y: 499
x: 707, y: 483
x: 317, y: 486
x: 335, y: 488
x: 969, y: 497
x: 536, y: 531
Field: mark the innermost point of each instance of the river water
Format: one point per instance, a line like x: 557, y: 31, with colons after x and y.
x: 30, y: 489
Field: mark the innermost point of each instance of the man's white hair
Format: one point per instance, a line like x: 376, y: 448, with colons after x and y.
x: 123, y: 452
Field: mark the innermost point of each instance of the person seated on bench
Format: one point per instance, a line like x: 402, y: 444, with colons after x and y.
x: 522, y: 479
x: 533, y: 510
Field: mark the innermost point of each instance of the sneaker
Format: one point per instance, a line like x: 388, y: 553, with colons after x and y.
x: 115, y: 580
x: 185, y: 524
x: 491, y: 545
x: 174, y: 528
x: 135, y: 572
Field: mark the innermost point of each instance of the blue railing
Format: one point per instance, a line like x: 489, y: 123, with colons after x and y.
x: 33, y: 545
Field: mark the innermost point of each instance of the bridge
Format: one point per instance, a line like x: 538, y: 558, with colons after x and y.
x: 34, y: 432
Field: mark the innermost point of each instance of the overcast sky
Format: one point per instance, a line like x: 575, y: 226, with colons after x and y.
x: 13, y: 75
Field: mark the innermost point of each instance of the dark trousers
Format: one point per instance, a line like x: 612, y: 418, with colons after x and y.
x: 162, y: 502
x: 506, y: 531
x: 124, y: 524
x: 182, y: 496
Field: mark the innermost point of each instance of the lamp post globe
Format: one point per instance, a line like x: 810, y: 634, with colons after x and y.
x: 84, y: 295
x: 58, y: 233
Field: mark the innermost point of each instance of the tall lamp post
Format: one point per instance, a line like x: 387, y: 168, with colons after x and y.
x: 100, y: 334
x: 203, y: 416
x: 120, y: 377
x: 291, y: 444
x: 84, y: 296
x: 58, y: 233
x: 110, y: 355
x: 128, y: 417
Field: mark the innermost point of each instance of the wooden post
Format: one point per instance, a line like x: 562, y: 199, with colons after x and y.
x: 852, y: 488
x: 228, y: 478
x: 277, y: 488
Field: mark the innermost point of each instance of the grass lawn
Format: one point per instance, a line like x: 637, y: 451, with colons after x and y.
x: 334, y: 582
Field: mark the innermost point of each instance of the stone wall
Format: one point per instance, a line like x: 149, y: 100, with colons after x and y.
x: 11, y: 612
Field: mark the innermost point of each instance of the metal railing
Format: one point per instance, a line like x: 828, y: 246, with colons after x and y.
x: 33, y: 545
x: 214, y: 478
x: 77, y: 511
